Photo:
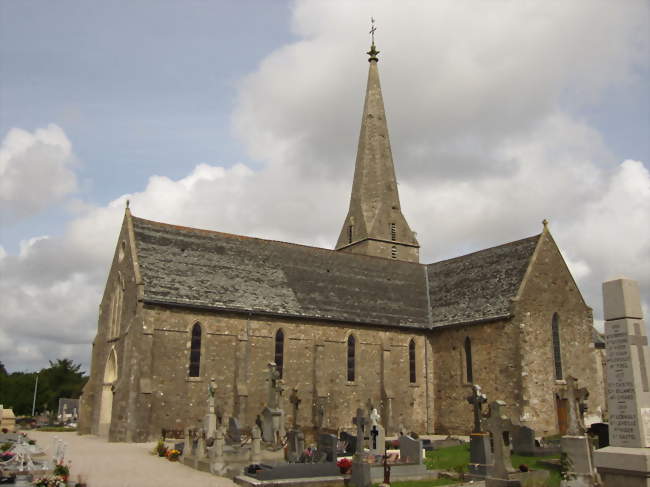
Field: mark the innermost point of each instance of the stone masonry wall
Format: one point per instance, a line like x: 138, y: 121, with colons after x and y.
x: 120, y: 342
x: 236, y: 350
x: 550, y: 289
x: 495, y: 367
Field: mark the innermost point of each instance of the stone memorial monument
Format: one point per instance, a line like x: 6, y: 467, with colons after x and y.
x: 210, y: 420
x: 626, y: 462
x: 480, y: 455
x: 273, y: 416
x: 499, y: 426
x: 361, y: 423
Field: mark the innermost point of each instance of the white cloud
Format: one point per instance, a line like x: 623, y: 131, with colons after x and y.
x: 484, y: 144
x: 36, y: 169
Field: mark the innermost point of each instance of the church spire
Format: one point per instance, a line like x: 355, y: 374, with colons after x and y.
x: 375, y: 224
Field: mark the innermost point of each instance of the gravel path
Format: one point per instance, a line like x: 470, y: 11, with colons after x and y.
x: 104, y: 464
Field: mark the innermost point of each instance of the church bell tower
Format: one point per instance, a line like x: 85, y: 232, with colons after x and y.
x: 375, y: 224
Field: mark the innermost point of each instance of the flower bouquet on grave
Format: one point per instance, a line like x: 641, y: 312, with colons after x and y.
x: 345, y: 465
x: 49, y: 481
x: 173, y: 454
x: 160, y: 449
x: 62, y: 470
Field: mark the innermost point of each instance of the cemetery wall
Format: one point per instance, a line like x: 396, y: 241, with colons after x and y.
x: 495, y: 367
x: 549, y: 288
x: 236, y: 350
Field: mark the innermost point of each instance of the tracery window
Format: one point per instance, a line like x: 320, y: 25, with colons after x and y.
x: 279, y: 351
x: 412, y: 375
x: 469, y: 373
x: 195, y: 351
x: 557, y: 356
x: 351, y: 355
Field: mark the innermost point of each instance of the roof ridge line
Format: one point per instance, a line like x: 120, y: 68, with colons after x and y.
x: 246, y: 237
x: 484, y: 250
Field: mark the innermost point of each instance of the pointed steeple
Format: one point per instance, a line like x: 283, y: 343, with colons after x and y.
x: 375, y: 224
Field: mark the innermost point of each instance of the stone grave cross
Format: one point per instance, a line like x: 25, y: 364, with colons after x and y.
x: 360, y: 421
x: 374, y: 432
x: 576, y: 399
x: 498, y: 424
x: 477, y: 399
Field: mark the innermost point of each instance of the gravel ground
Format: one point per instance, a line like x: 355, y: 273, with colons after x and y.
x: 104, y: 464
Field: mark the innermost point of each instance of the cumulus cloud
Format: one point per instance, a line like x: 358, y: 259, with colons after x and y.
x: 480, y: 102
x: 36, y: 169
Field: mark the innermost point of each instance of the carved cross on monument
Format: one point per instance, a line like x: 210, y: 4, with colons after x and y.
x: 374, y: 432
x: 212, y: 388
x: 360, y: 421
x: 477, y: 399
x: 641, y: 341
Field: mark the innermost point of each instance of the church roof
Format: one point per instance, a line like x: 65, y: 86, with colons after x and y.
x: 199, y: 268
x: 478, y: 286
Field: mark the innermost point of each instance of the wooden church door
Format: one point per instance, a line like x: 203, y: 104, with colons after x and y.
x: 561, y: 405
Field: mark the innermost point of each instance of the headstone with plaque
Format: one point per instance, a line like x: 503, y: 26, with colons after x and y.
x: 627, y: 460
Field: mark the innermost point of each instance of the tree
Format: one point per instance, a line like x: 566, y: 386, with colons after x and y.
x: 63, y: 378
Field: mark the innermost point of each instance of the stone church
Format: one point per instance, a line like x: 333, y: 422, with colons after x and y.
x: 365, y: 323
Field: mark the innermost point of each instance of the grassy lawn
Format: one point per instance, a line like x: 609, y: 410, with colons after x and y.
x: 457, y: 457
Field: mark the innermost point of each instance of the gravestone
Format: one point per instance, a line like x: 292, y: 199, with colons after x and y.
x: 627, y: 460
x: 480, y: 452
x: 327, y: 445
x: 256, y: 447
x: 295, y: 445
x: 410, y: 450
x: 350, y: 442
x: 377, y: 440
x: 234, y: 431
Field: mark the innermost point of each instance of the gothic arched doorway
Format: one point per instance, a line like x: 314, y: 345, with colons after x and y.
x: 106, y: 409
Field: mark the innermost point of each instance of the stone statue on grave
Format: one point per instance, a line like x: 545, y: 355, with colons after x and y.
x: 295, y: 401
x: 374, y: 417
x: 212, y: 388
x: 276, y: 386
x: 480, y: 451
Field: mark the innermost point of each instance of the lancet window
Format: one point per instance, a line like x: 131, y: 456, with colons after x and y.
x: 412, y: 375
x: 351, y: 357
x: 469, y: 372
x: 195, y: 351
x: 557, y: 355
x: 279, y: 351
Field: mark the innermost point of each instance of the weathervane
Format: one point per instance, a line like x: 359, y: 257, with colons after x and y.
x: 373, y: 52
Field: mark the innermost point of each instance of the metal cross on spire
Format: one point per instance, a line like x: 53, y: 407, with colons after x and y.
x: 373, y: 51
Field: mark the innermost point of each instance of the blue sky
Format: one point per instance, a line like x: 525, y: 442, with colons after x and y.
x: 242, y: 116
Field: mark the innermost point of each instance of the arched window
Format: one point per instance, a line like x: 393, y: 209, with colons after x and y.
x: 412, y: 361
x: 468, y: 361
x: 557, y: 356
x: 195, y: 351
x: 279, y: 351
x: 351, y: 351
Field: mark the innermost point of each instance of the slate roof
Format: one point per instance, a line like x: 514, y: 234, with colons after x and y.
x: 191, y: 267
x: 478, y: 286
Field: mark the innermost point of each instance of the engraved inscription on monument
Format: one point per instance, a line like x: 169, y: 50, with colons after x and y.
x: 627, y: 370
